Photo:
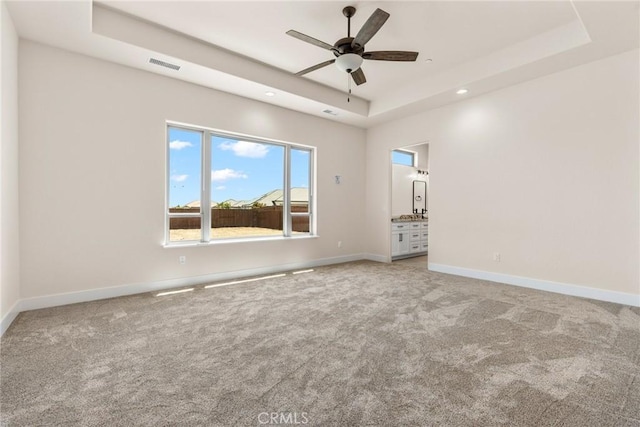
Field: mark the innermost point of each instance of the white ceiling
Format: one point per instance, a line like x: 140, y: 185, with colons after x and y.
x: 241, y: 47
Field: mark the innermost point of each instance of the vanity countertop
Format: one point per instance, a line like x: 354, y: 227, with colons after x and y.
x: 409, y: 218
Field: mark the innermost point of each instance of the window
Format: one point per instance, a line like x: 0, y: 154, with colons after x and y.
x: 239, y: 187
x: 401, y: 157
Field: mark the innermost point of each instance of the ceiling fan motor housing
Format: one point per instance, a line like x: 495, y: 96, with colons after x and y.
x: 343, y: 46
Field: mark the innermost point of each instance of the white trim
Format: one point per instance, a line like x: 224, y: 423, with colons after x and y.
x: 252, y: 239
x: 287, y: 222
x: 376, y: 258
x: 8, y: 318
x: 205, y: 187
x: 543, y: 285
x: 138, y: 288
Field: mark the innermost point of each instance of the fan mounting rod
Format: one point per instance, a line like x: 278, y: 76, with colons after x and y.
x: 349, y: 11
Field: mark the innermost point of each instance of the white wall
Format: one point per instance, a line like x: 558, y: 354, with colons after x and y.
x: 92, y: 175
x: 544, y: 172
x: 402, y: 178
x: 9, y: 209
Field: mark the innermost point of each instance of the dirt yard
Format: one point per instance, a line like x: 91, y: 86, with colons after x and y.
x: 222, y: 233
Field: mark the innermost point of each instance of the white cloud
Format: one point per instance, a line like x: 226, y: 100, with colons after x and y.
x: 221, y: 187
x: 226, y: 174
x: 179, y: 178
x: 246, y: 149
x: 179, y: 145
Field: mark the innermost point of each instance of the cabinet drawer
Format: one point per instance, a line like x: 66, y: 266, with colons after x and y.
x: 415, y: 225
x: 424, y: 225
x: 415, y: 236
x: 400, y: 227
x: 415, y: 247
x: 424, y: 235
x: 424, y: 247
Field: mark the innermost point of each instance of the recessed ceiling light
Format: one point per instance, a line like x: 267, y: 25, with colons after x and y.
x: 462, y: 91
x: 270, y: 93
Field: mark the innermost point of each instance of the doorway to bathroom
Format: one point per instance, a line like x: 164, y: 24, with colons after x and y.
x: 410, y: 204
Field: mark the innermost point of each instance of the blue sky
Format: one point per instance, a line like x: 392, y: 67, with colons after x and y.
x: 399, y: 157
x: 240, y: 170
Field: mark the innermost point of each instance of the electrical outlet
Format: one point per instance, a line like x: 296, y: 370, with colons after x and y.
x: 496, y: 256
x: 182, y: 259
x: 339, y: 243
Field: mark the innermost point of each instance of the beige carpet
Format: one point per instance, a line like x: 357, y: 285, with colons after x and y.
x: 353, y: 344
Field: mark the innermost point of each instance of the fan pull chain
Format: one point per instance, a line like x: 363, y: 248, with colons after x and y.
x: 349, y: 87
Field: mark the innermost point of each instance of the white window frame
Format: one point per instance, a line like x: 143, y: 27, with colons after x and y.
x: 288, y: 219
x: 413, y: 154
x: 205, y: 186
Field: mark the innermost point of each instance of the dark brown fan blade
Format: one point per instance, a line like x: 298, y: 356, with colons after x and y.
x: 315, y: 67
x: 370, y: 28
x: 309, y: 39
x: 358, y: 76
x: 391, y: 55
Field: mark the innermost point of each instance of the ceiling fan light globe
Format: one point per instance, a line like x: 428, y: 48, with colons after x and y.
x: 349, y: 62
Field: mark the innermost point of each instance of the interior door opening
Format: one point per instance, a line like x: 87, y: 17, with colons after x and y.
x: 410, y: 203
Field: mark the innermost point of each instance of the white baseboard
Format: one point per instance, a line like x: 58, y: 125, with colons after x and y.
x: 138, y: 288
x: 376, y: 258
x: 543, y: 285
x: 8, y: 318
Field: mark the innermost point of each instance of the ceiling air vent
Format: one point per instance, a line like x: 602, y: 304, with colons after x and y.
x: 333, y: 113
x: 164, y: 64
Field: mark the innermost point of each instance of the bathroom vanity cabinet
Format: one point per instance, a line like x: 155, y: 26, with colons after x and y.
x: 410, y: 238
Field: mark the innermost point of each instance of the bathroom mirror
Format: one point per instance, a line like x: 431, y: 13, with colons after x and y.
x: 419, y: 197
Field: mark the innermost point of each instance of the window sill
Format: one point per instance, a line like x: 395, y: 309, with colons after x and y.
x: 193, y: 243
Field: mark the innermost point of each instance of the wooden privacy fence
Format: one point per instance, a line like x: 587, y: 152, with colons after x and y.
x: 264, y: 217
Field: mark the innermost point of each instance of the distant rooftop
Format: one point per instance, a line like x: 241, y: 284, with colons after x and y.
x: 299, y: 196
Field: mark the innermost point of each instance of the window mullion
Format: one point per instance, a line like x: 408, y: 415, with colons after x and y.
x: 167, y: 210
x: 205, y: 197
x: 311, y: 206
x: 286, y: 194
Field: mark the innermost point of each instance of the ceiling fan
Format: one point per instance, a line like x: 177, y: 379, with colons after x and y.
x: 350, y: 51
